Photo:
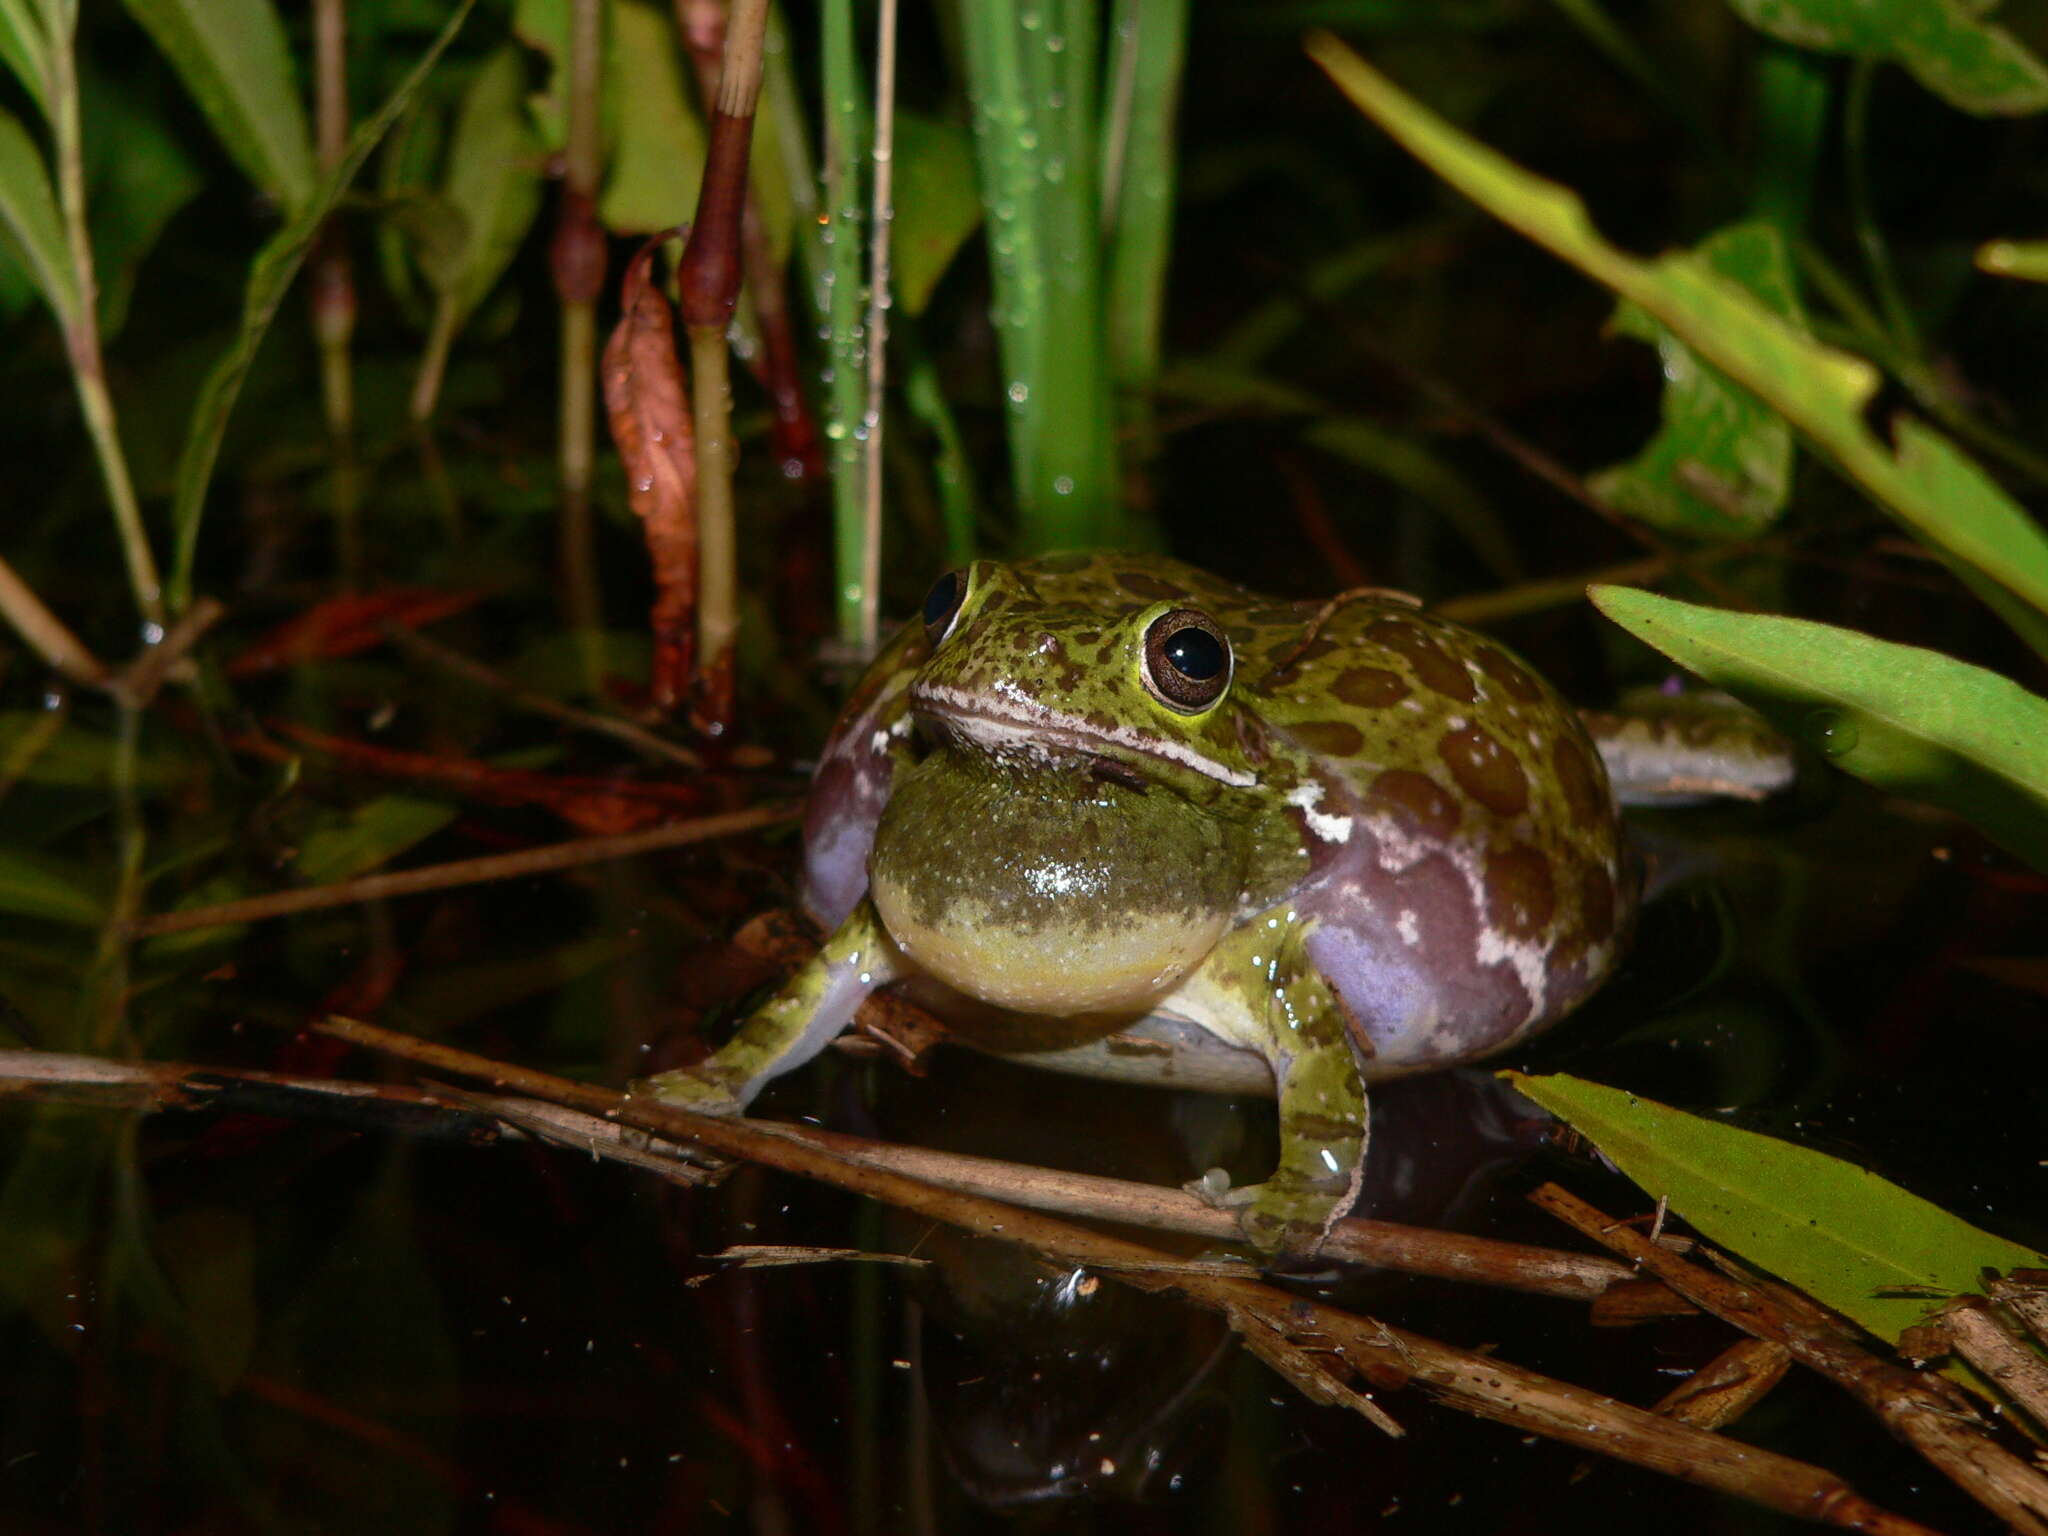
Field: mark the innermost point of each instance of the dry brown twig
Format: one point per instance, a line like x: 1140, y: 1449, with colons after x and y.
x: 1337, y: 1355
x: 1928, y: 1413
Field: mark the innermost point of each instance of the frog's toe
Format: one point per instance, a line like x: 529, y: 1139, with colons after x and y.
x: 708, y: 1093
x: 1273, y: 1218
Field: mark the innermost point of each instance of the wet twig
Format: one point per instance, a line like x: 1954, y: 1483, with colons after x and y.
x: 1926, y: 1412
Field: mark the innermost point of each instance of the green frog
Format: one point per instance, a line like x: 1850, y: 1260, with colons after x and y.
x: 1350, y: 839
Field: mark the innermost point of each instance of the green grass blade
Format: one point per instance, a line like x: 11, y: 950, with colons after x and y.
x: 24, y: 50
x: 233, y: 58
x: 28, y: 208
x: 1138, y: 182
x: 1838, y: 1232
x: 1907, y: 720
x: 1927, y: 485
x: 35, y: 885
x: 269, y: 277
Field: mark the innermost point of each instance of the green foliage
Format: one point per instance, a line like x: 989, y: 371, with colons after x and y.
x: 492, y: 187
x: 28, y: 210
x: 57, y: 890
x: 936, y: 206
x: 1840, y: 1233
x: 270, y: 277
x: 1721, y: 464
x: 1968, y: 62
x: 1909, y: 720
x: 232, y: 56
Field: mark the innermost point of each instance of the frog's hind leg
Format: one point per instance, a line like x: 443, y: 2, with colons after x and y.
x: 794, y: 1025
x: 1306, y: 1038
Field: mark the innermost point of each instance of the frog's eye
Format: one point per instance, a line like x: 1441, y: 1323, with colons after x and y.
x: 942, y: 605
x: 1187, y: 660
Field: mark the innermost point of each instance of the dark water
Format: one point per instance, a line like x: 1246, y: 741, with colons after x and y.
x: 228, y: 1324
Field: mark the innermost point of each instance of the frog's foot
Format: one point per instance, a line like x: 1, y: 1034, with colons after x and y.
x: 703, y: 1088
x: 1284, y: 1216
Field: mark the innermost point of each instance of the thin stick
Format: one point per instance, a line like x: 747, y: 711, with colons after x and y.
x: 82, y: 328
x: 881, y: 218
x: 1927, y: 1413
x: 47, y: 635
x: 460, y: 872
x: 448, y: 659
x: 576, y: 259
x: 1319, y: 1348
x: 49, y: 1077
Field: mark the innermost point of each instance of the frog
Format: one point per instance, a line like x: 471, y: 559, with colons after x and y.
x: 1092, y: 791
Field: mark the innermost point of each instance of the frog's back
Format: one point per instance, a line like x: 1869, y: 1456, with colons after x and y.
x: 1469, y: 805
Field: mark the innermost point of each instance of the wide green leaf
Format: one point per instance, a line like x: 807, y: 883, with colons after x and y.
x: 492, y: 185
x: 1838, y: 1232
x: 37, y: 885
x: 1967, y: 62
x: 937, y: 206
x: 1720, y: 466
x: 269, y: 277
x: 233, y: 58
x: 1908, y: 720
x: 1821, y: 391
x: 28, y: 208
x: 658, y: 141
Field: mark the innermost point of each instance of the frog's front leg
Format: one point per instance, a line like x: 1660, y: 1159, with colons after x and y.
x: 798, y: 1022
x: 1302, y: 1030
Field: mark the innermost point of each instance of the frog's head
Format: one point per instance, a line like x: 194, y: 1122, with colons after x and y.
x: 1075, y: 837
x: 1067, y: 661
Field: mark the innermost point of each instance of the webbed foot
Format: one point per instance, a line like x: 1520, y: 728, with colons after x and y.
x: 1280, y: 1217
x: 703, y: 1088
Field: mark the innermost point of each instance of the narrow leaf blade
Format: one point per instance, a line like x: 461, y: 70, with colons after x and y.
x: 1908, y: 720
x: 28, y: 207
x: 1838, y: 1232
x: 269, y: 277
x: 233, y: 58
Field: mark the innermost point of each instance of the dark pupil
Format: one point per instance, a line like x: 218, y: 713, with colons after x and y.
x: 938, y: 603
x: 1194, y: 653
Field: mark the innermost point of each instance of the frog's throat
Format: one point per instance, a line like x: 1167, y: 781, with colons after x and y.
x: 1053, y: 968
x: 1008, y: 724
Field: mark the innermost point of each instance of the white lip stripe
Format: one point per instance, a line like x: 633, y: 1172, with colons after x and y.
x: 1017, y: 722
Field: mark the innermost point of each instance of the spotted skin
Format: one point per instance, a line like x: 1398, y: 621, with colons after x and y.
x: 1386, y: 845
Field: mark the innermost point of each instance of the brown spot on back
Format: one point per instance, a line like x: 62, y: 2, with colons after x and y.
x: 1063, y: 565
x: 1417, y: 799
x: 1519, y: 681
x: 1596, y: 904
x: 1485, y: 770
x: 1520, y: 898
x: 1331, y: 738
x: 1581, y: 788
x: 1144, y: 584
x: 1369, y: 687
x: 1087, y: 636
x: 1436, y: 668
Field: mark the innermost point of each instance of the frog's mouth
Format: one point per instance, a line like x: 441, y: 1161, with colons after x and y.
x: 1010, y: 725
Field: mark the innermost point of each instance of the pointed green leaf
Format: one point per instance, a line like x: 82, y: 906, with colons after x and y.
x: 28, y: 208
x: 1908, y: 720
x: 1969, y: 63
x: 373, y: 833
x: 1821, y: 391
x: 38, y: 885
x: 493, y: 184
x: 233, y: 58
x: 1838, y: 1232
x: 1720, y: 466
x: 270, y: 276
x: 659, y: 143
x: 22, y: 49
x: 937, y: 205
